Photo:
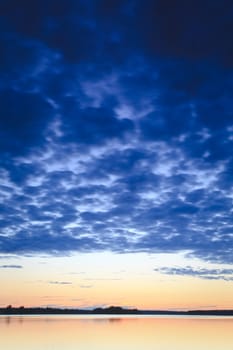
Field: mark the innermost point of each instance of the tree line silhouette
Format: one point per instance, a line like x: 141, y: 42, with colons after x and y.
x: 113, y: 310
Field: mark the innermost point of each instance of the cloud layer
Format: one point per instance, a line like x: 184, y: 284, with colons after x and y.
x: 116, y: 127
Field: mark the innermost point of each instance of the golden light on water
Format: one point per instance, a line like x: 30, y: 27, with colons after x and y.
x: 99, y: 332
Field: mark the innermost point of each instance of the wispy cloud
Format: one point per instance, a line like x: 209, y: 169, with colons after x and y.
x: 205, y: 273
x: 11, y: 266
x: 102, y: 279
x: 59, y: 282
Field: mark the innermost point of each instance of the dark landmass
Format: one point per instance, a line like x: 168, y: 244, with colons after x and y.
x: 112, y: 310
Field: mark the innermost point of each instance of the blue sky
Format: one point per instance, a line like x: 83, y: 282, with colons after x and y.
x: 116, y: 129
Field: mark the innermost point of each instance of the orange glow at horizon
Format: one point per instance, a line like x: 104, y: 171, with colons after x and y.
x: 184, y: 293
x: 89, y: 281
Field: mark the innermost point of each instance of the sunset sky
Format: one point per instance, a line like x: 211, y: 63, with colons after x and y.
x: 116, y: 153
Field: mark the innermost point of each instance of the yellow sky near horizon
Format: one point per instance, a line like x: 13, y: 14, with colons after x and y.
x: 102, y: 279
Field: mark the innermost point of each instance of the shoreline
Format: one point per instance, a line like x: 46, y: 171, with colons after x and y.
x: 109, y: 311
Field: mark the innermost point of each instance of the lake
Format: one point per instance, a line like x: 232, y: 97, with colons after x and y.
x: 115, y: 333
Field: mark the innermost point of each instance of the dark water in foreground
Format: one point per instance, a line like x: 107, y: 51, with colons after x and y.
x: 111, y: 333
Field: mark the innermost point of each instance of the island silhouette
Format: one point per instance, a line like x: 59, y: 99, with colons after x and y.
x: 111, y: 310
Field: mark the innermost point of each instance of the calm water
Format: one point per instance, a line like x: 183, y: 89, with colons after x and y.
x: 121, y: 333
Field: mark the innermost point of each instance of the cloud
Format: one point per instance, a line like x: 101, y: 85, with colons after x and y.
x: 160, y: 201
x: 94, y: 126
x: 23, y: 119
x: 116, y: 134
x: 210, y: 274
x: 184, y: 30
x: 156, y: 28
x: 102, y: 279
x: 11, y: 266
x: 59, y: 282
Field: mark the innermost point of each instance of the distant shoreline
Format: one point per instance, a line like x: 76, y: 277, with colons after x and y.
x: 112, y: 310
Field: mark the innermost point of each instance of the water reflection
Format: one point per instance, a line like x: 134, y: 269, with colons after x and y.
x: 125, y: 333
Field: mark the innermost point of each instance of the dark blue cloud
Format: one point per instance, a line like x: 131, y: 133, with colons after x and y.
x: 116, y: 127
x: 195, y: 30
x: 24, y: 117
x: 94, y: 126
x: 58, y: 25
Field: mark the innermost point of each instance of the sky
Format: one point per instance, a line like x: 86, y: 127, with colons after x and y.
x: 116, y: 163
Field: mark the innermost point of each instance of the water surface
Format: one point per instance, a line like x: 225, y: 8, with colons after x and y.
x: 115, y: 333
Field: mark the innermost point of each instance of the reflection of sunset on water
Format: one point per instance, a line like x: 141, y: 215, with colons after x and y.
x: 87, y: 333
